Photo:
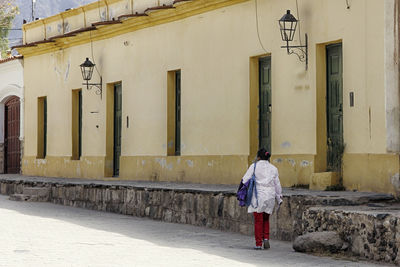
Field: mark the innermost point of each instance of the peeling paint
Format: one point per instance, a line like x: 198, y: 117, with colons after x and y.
x: 162, y: 162
x: 292, y: 162
x: 179, y: 161
x: 395, y: 180
x: 66, y: 27
x: 210, y: 163
x: 190, y: 163
x: 57, y: 71
x: 67, y: 70
x: 78, y: 170
x: 103, y: 16
x: 286, y: 144
x: 59, y: 28
x: 169, y: 166
x: 278, y: 160
x: 305, y: 163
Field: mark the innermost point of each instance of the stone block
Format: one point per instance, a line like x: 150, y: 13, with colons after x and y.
x: 42, y: 193
x: 230, y: 205
x: 3, y: 189
x: 167, y: 216
x: 199, y: 204
x: 130, y: 196
x: 178, y: 201
x: 318, y: 242
x: 320, y: 180
x: 166, y: 198
x: 188, y: 203
x: 19, y: 197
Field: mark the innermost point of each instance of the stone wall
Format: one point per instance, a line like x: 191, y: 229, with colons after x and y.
x: 217, y: 210
x: 370, y: 234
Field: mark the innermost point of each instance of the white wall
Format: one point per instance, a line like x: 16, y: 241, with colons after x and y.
x: 11, y: 84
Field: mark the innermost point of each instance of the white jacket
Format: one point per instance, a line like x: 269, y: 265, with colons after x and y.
x: 268, y: 187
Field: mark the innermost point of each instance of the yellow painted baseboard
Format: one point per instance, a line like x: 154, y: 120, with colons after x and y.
x: 320, y: 180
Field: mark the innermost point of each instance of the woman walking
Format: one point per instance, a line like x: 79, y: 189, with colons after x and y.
x: 268, y: 188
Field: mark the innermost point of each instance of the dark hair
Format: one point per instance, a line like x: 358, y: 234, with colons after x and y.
x: 263, y: 154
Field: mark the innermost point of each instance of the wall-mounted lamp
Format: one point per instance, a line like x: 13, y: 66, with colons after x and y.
x: 288, y: 25
x: 87, y: 71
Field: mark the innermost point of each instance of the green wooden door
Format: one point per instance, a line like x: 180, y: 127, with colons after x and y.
x: 265, y: 103
x: 117, y: 127
x: 178, y: 113
x: 334, y: 110
x: 44, y: 127
x: 80, y: 124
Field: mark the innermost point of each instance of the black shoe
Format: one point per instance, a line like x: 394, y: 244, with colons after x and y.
x: 266, y: 244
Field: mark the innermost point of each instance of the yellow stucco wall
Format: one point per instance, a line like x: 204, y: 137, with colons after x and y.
x: 372, y: 172
x: 213, y: 50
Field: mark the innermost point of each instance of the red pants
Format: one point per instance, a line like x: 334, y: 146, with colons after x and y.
x: 261, y: 227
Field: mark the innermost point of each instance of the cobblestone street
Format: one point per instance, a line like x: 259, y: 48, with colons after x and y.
x: 43, y: 234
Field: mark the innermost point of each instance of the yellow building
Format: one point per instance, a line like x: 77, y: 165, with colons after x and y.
x: 191, y: 89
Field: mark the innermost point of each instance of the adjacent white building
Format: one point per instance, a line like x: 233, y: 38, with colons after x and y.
x: 11, y: 114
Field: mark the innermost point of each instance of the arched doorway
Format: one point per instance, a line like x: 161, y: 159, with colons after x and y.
x: 12, y: 146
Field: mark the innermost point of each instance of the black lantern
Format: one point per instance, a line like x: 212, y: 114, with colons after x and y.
x: 87, y: 69
x: 87, y: 72
x: 288, y: 26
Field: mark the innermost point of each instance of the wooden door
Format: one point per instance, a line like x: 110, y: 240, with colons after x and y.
x: 334, y: 100
x: 178, y: 113
x: 12, y: 147
x: 117, y: 127
x: 265, y: 103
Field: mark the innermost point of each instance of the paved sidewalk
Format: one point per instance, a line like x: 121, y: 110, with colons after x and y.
x: 44, y: 234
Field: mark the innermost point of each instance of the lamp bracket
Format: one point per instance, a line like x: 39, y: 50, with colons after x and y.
x: 99, y: 86
x: 301, y: 50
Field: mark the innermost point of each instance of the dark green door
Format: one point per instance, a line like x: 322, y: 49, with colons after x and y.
x: 80, y: 124
x: 265, y: 103
x: 117, y: 127
x: 334, y: 110
x: 44, y: 127
x: 178, y: 113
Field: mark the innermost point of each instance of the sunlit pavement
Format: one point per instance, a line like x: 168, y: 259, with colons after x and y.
x: 43, y: 234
